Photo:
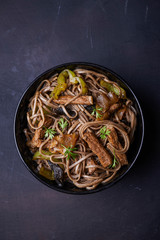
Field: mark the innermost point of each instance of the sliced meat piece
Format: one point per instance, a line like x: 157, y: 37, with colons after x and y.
x: 102, y: 106
x: 113, y: 139
x: 56, y: 144
x: 36, y: 141
x: 122, y: 158
x: 114, y: 107
x: 102, y: 101
x: 48, y: 122
x: 83, y: 100
x: 121, y: 112
x: 113, y: 98
x: 97, y: 148
x: 108, y: 104
x: 39, y: 133
x: 90, y: 163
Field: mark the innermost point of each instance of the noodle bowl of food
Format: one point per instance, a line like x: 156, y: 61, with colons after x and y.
x: 79, y: 128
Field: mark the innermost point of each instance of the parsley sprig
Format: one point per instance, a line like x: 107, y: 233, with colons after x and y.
x: 95, y: 111
x: 62, y: 123
x: 114, y: 162
x: 104, y: 132
x: 49, y: 132
x: 69, y: 152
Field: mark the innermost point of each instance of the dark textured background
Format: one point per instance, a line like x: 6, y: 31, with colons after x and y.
x: 121, y: 35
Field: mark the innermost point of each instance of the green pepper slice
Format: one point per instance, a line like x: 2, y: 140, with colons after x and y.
x: 83, y: 85
x: 46, y: 173
x: 62, y: 85
x: 38, y: 155
x: 111, y: 88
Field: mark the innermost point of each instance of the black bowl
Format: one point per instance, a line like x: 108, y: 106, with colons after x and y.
x: 21, y: 123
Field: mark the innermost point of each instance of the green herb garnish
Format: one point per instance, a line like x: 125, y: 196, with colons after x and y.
x: 62, y: 123
x: 49, y: 133
x: 69, y: 152
x: 114, y: 162
x: 98, y: 115
x: 104, y: 132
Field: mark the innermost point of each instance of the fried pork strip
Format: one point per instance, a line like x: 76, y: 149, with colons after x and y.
x: 83, y: 100
x: 97, y: 148
x: 39, y: 133
x: 113, y: 139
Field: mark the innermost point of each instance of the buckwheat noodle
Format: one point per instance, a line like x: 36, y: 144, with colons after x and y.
x: 86, y: 170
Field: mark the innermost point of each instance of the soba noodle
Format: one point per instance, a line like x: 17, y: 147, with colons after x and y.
x: 113, y: 129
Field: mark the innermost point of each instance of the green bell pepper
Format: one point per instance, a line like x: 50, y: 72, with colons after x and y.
x: 49, y: 174
x: 62, y: 85
x: 38, y: 155
x: 111, y: 88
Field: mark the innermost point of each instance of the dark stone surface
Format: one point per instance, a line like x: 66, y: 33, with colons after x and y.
x: 121, y: 35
